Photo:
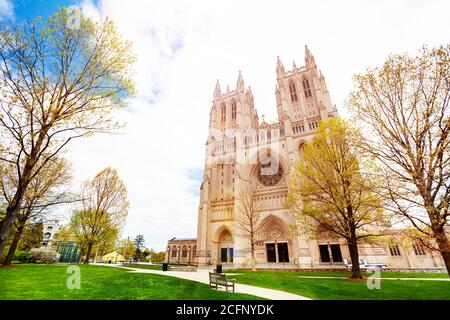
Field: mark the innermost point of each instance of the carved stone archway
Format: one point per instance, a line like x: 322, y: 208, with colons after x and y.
x: 225, y: 247
x: 274, y: 240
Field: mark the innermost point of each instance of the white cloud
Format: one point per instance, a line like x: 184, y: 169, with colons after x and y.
x: 6, y: 10
x: 183, y: 47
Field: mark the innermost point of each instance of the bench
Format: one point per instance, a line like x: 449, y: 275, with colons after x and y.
x: 220, y: 279
x: 364, y: 265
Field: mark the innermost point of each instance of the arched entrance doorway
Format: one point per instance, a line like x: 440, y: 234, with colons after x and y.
x: 226, y: 250
x: 275, y: 238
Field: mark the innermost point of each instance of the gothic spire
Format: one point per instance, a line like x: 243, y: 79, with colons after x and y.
x: 250, y: 96
x: 280, y: 68
x: 217, y: 91
x: 240, y: 82
x: 309, y: 58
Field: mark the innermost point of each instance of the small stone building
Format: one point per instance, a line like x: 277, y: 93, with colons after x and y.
x: 181, y: 251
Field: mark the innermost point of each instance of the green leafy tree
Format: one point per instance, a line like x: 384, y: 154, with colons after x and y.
x: 139, y: 243
x: 103, y: 210
x: 59, y: 81
x: 403, y: 107
x: 330, y: 192
x: 65, y: 233
x: 126, y: 248
x: 157, y: 256
x: 146, y: 253
x: 32, y: 236
x: 43, y: 193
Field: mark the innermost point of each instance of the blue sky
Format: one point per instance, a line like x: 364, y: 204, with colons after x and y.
x: 29, y: 9
x: 184, y: 46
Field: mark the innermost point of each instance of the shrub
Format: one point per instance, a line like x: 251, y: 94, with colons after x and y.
x: 42, y: 256
x: 21, y: 256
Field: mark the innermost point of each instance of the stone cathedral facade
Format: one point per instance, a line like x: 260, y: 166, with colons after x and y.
x: 249, y: 157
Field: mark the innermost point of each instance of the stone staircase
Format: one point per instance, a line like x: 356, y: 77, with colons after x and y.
x: 183, y: 268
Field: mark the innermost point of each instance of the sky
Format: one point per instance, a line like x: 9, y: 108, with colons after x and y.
x: 183, y: 47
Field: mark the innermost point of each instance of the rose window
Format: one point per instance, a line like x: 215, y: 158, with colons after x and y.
x: 270, y: 173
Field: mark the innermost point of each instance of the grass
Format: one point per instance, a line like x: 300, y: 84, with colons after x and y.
x: 339, y: 289
x: 48, y: 282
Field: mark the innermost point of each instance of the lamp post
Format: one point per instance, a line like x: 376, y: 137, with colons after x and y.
x: 168, y: 254
x: 189, y: 253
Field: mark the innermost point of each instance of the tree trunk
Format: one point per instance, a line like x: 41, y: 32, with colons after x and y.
x: 13, y: 247
x: 253, y: 254
x: 14, y: 206
x: 88, y: 253
x: 354, y: 255
x: 444, y: 247
x: 81, y: 255
x: 353, y: 244
x: 11, y: 214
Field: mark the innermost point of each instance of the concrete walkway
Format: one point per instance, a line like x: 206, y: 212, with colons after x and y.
x: 203, y: 277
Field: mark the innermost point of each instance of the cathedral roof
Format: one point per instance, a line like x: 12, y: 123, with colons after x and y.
x: 266, y: 125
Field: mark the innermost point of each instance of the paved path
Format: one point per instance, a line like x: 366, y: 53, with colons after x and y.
x: 203, y: 277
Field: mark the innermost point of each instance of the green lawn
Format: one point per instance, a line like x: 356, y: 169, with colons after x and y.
x: 336, y: 289
x: 48, y: 282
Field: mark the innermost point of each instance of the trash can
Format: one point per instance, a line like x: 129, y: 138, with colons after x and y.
x: 165, y: 266
x: 219, y: 268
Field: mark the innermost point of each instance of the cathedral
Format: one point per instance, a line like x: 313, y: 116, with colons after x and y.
x: 247, y: 157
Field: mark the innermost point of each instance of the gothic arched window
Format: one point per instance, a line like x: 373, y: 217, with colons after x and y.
x: 293, y: 91
x: 306, y: 88
x: 394, y: 249
x: 269, y: 172
x: 223, y: 112
x: 184, y: 252
x: 419, y: 250
x: 174, y: 251
x: 233, y: 110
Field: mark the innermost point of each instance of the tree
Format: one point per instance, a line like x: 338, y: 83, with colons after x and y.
x: 126, y: 248
x: 32, y: 236
x: 139, y: 243
x: 103, y: 211
x: 249, y: 220
x: 59, y: 81
x: 107, y: 245
x: 64, y: 234
x: 146, y: 253
x: 157, y: 256
x: 329, y: 191
x: 404, y: 108
x: 43, y: 192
